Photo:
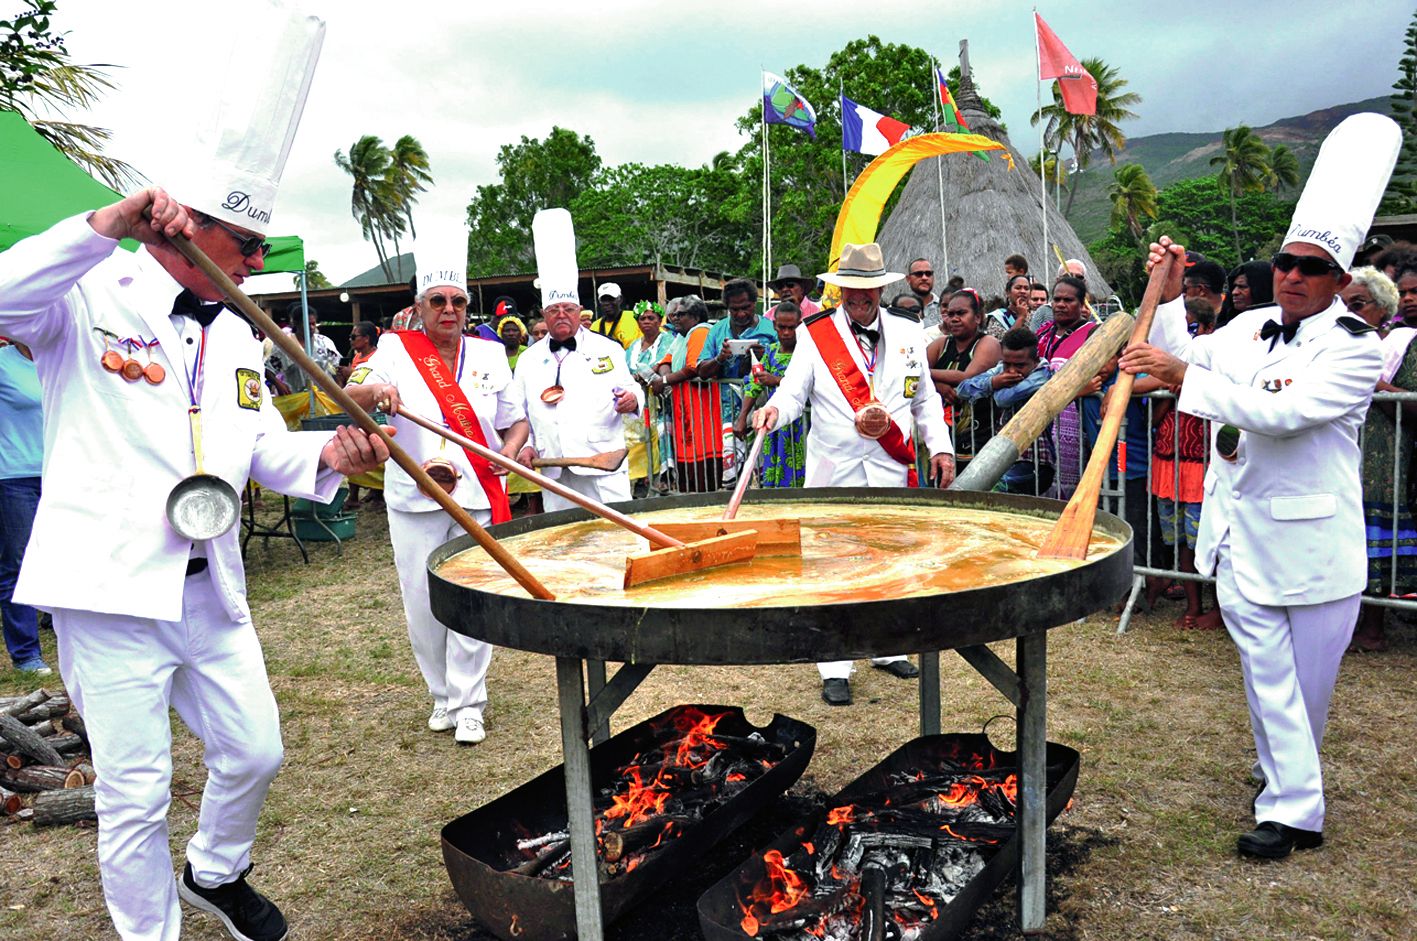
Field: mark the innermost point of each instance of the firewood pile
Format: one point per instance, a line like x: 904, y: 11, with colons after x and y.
x: 45, y: 772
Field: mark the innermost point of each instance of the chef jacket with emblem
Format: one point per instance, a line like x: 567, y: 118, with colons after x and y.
x: 114, y: 450
x: 1291, y: 503
x: 494, y: 397
x: 833, y: 441
x: 584, y: 422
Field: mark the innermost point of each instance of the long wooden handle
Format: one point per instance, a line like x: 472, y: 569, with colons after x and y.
x: 1072, y: 533
x: 745, y: 474
x: 361, y: 418
x: 545, y: 483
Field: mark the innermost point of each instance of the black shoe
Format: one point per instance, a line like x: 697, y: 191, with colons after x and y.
x: 836, y: 692
x: 1271, y: 840
x: 903, y: 669
x: 246, y: 913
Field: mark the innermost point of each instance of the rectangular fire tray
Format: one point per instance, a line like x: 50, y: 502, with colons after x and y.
x: 721, y: 909
x: 478, y: 847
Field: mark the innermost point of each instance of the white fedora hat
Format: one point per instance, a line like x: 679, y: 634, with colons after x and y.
x: 861, y: 266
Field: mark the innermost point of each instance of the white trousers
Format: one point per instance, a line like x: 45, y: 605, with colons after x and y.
x: 453, y: 665
x: 1290, y: 658
x: 610, y: 488
x: 123, y: 674
x: 841, y: 669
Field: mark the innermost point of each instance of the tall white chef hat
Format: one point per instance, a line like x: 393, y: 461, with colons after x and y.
x: 1345, y: 185
x: 233, y: 168
x: 440, y: 252
x: 554, y: 239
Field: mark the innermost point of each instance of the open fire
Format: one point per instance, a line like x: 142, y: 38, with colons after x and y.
x: 887, y: 858
x: 686, y: 772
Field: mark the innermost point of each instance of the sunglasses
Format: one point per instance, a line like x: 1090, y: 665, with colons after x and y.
x: 1310, y: 266
x: 439, y: 301
x: 1356, y: 304
x: 922, y: 274
x: 248, y: 245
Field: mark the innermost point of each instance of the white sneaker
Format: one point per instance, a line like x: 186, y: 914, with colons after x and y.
x: 440, y: 721
x: 470, y: 730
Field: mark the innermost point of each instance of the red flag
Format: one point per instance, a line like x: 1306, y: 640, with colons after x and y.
x: 1075, y: 83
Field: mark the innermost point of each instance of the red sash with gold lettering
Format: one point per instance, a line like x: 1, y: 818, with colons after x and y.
x: 858, y: 394
x: 458, y: 413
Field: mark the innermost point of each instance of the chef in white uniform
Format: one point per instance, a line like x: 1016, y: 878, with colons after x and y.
x: 453, y: 665
x: 1286, y: 389
x: 575, y: 382
x: 144, y: 618
x: 863, y: 369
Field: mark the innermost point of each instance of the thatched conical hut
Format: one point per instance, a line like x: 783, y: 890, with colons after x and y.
x: 991, y: 212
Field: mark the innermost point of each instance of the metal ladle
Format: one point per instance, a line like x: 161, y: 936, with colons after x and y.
x: 202, y: 506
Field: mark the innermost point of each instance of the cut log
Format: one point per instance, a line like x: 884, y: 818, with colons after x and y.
x: 26, y: 703
x: 10, y: 802
x: 44, y: 729
x: 34, y: 778
x: 547, y: 855
x: 52, y: 709
x: 75, y: 723
x: 86, y: 769
x: 14, y: 761
x: 26, y: 742
x: 53, y: 808
x: 620, y: 843
x: 66, y: 744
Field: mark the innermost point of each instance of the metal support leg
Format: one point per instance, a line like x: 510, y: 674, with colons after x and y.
x: 585, y: 866
x: 595, y: 682
x: 1032, y: 653
x: 930, y: 693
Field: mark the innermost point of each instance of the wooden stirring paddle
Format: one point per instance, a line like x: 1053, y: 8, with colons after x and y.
x: 1072, y: 533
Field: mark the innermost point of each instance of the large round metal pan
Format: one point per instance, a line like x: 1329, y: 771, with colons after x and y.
x: 794, y: 633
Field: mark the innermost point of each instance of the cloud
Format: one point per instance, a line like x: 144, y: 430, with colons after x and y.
x: 654, y: 82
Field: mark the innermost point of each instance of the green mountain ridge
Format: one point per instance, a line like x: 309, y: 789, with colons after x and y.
x: 1175, y: 156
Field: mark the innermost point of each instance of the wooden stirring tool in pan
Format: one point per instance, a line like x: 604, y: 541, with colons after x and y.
x: 361, y: 418
x: 668, y: 556
x: 1072, y: 533
x: 776, y: 536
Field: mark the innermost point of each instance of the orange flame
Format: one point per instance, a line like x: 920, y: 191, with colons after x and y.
x: 840, y: 816
x: 929, y: 904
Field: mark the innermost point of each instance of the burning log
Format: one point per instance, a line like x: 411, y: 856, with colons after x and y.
x: 619, y: 843
x: 26, y: 742
x: 537, y: 841
x: 53, y: 808
x: 25, y: 703
x: 873, y: 914
x: 549, y: 854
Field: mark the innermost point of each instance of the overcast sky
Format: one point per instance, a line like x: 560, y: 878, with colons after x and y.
x: 663, y: 82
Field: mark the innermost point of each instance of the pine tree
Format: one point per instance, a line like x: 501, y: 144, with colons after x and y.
x: 1401, y: 195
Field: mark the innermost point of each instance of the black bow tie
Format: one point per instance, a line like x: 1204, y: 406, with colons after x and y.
x: 1274, y: 329
x: 873, y: 335
x: 189, y: 305
x: 567, y: 344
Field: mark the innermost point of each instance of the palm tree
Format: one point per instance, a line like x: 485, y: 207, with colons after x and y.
x: 408, y: 175
x: 368, y: 164
x: 1283, y: 169
x: 312, y: 276
x: 57, y: 88
x: 1088, y: 132
x: 1244, y: 163
x: 1133, y: 197
x: 1051, y: 167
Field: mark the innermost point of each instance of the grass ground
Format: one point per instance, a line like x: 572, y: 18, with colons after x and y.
x: 348, y: 843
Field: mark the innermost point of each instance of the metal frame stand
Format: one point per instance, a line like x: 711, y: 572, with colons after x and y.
x: 586, y: 721
x: 254, y: 528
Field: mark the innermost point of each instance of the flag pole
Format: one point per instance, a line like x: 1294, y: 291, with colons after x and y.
x: 841, y: 103
x: 940, y: 175
x: 1042, y: 159
x: 763, y: 189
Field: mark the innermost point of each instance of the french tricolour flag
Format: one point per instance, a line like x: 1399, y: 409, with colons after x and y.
x: 868, y: 132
